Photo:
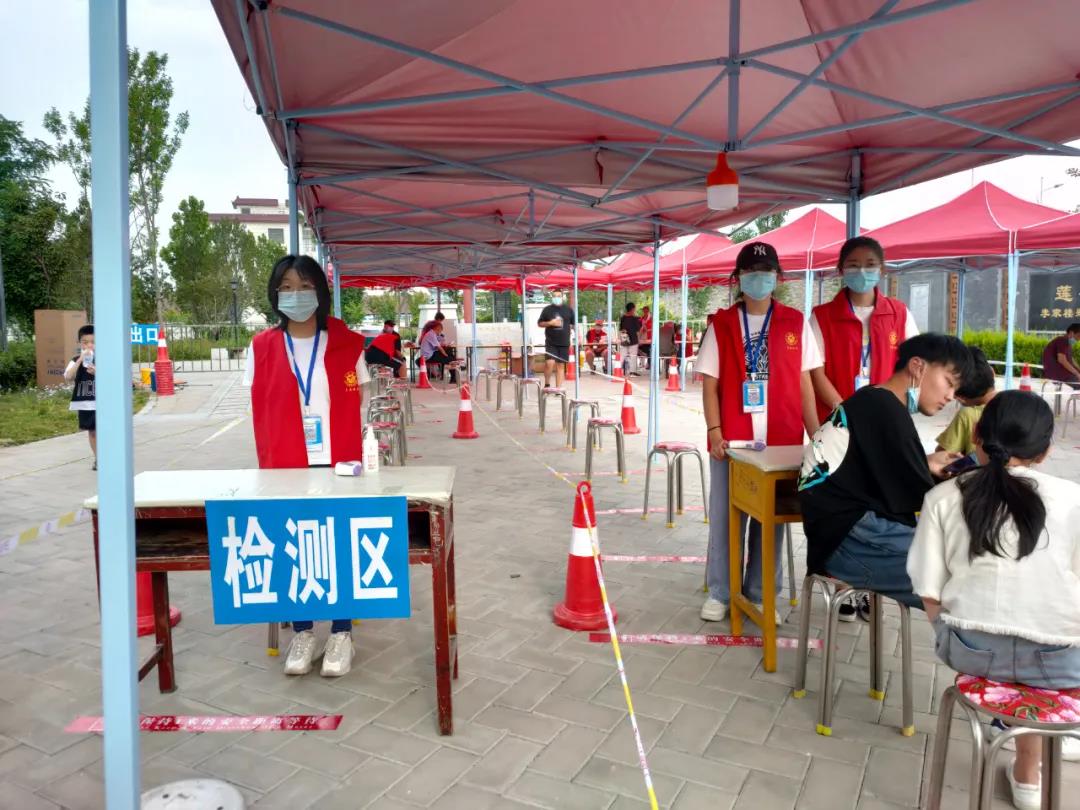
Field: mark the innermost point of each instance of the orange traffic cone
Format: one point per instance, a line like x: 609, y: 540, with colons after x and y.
x: 163, y: 368
x: 616, y: 371
x: 571, y: 358
x: 629, y: 421
x: 144, y: 603
x: 423, y: 381
x: 673, y: 376
x: 465, y: 427
x: 1025, y: 378
x: 583, y: 606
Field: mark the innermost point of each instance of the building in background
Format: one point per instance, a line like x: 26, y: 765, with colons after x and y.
x: 265, y: 216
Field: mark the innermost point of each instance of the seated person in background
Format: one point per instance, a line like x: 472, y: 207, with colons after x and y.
x: 1057, y: 357
x: 974, y: 392
x: 435, y: 353
x: 996, y: 563
x: 429, y: 325
x: 385, y: 350
x: 865, y: 472
x: 667, y: 344
x: 596, y: 345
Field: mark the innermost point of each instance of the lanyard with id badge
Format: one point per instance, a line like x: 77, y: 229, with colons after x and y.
x: 862, y: 378
x: 753, y: 390
x: 313, y: 426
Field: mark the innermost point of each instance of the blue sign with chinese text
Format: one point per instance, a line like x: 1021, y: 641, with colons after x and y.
x: 308, y: 559
x: 144, y: 334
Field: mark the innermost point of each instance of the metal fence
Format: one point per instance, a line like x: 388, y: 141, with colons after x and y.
x: 202, y: 347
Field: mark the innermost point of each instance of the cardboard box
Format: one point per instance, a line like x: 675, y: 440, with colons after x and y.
x: 56, y: 340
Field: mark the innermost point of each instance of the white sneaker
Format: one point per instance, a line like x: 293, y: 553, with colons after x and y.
x: 776, y: 613
x: 1024, y: 797
x: 714, y: 610
x: 339, y: 655
x: 303, y: 649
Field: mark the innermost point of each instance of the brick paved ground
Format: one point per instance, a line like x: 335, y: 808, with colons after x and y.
x: 539, y: 715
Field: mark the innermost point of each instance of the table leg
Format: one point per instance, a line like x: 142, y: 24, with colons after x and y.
x: 768, y: 587
x: 441, y: 611
x: 735, y: 543
x: 163, y: 631
x: 451, y: 590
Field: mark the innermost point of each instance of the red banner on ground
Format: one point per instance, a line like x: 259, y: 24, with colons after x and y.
x: 199, y: 723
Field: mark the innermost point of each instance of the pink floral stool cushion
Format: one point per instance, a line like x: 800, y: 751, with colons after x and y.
x: 675, y: 447
x: 1019, y: 702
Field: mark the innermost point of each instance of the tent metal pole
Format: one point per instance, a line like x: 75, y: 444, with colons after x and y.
x: 574, y: 342
x: 474, y: 366
x: 610, y: 330
x: 112, y: 312
x: 1010, y: 324
x: 524, y: 330
x: 654, y: 353
x: 808, y: 293
x: 685, y: 306
x: 854, y: 204
x: 961, y: 282
x: 294, y: 215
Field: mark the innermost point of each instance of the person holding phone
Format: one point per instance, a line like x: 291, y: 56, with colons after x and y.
x: 865, y: 472
x: 755, y: 360
x: 975, y: 391
x: 995, y: 561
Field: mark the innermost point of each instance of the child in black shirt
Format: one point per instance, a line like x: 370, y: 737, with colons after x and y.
x: 83, y: 399
x: 865, y: 472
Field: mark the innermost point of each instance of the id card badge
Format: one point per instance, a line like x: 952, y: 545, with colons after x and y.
x: 313, y: 434
x: 753, y: 396
x: 862, y: 380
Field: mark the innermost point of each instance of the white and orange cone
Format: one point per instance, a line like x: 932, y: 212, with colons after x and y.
x: 163, y: 367
x: 629, y: 420
x: 571, y: 372
x: 673, y: 376
x: 616, y: 370
x: 582, y: 607
x: 423, y: 381
x: 1025, y: 378
x: 465, y: 427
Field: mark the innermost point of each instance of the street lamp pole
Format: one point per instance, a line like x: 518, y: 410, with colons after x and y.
x: 234, y: 283
x: 1043, y: 188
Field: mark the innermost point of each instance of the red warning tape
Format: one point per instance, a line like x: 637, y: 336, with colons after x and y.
x: 651, y: 558
x: 181, y: 722
x: 783, y: 642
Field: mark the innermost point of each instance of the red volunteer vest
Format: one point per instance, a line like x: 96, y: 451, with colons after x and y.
x: 385, y: 342
x: 275, y: 402
x: 841, y: 334
x: 784, y: 390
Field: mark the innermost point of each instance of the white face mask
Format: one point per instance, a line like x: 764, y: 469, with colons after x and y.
x: 298, y: 305
x: 557, y: 300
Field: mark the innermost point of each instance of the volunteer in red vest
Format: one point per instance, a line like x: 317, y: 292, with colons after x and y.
x: 755, y: 360
x: 860, y: 331
x: 305, y: 376
x: 385, y: 350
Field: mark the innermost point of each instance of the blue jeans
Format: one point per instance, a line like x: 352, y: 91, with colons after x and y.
x: 717, y: 572
x: 337, y: 626
x: 1007, y: 659
x: 874, y: 556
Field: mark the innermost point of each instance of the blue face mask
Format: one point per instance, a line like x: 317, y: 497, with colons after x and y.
x: 1072, y: 342
x: 298, y: 305
x: 758, y: 285
x: 913, y: 397
x: 861, y: 281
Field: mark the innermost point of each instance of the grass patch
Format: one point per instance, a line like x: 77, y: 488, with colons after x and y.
x: 36, y: 414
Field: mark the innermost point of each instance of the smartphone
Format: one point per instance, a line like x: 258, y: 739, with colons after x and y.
x: 964, y: 464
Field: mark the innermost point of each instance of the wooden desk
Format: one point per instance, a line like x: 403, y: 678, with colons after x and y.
x: 761, y: 484
x: 170, y: 535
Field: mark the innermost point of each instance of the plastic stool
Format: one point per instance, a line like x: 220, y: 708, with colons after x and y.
x: 595, y: 426
x: 500, y: 379
x: 523, y: 384
x: 673, y: 453
x: 552, y: 392
x: 1026, y: 710
x: 834, y: 592
x: 572, y: 415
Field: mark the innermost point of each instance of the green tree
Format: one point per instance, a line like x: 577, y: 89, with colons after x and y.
x: 153, y: 141
x: 190, y: 258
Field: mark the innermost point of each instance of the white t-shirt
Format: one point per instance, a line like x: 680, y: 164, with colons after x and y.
x: 863, y: 314
x: 1036, y: 598
x: 708, y: 361
x: 319, y: 404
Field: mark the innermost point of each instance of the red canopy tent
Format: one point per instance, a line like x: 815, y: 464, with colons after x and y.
x: 982, y: 221
x: 1062, y: 233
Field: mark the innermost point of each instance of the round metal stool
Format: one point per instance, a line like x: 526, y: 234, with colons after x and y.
x: 572, y: 417
x: 595, y: 426
x: 559, y: 394
x: 673, y: 453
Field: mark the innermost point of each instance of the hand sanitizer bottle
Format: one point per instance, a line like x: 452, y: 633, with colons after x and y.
x: 371, y: 451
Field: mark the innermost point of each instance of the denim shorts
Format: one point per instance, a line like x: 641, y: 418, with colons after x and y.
x: 1007, y: 659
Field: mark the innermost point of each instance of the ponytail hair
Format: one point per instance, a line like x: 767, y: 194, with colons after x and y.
x: 1015, y: 424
